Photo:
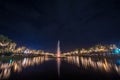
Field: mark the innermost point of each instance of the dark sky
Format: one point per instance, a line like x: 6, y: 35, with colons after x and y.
x: 38, y: 24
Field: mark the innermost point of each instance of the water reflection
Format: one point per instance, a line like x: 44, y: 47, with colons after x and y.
x: 18, y: 66
x: 58, y: 66
x: 104, y: 65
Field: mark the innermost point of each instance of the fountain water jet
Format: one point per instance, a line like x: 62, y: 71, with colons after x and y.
x: 58, y: 49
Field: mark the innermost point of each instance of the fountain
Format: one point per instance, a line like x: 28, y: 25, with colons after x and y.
x: 58, y: 49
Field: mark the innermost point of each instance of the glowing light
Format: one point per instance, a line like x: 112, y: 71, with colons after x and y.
x: 58, y: 66
x: 117, y: 51
x: 1, y: 44
x: 10, y: 61
x: 18, y: 66
x: 97, y: 65
x: 27, y: 51
x: 58, y: 49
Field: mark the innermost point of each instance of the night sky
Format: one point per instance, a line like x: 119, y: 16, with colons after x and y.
x: 38, y: 24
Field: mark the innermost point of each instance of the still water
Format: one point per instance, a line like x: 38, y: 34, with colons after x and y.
x: 72, y: 68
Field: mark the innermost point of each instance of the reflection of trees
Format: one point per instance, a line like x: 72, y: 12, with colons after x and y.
x: 5, y: 73
x: 58, y: 66
x: 17, y: 66
x: 102, y: 65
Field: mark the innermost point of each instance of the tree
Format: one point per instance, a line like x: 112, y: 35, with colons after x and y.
x: 6, y: 45
x: 21, y: 49
x: 12, y: 46
x: 4, y: 41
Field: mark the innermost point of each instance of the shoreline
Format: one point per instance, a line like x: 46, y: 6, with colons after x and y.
x: 17, y: 57
x: 99, y: 56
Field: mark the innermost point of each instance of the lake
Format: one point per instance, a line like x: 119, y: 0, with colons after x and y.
x: 68, y: 68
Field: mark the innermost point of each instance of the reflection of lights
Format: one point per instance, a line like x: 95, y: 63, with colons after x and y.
x: 106, y: 65
x: 58, y: 66
x: 103, y: 65
x: 10, y: 61
x: 77, y: 59
x: 19, y: 65
x: 17, y: 68
x: 5, y: 73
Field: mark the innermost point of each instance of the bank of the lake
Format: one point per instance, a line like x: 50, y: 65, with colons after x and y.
x: 112, y: 56
x: 16, y: 57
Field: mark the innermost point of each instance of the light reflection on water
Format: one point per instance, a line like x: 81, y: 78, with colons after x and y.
x: 58, y: 66
x: 104, y: 65
x: 18, y: 66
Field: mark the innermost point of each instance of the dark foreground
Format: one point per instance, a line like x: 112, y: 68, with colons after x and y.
x: 70, y: 68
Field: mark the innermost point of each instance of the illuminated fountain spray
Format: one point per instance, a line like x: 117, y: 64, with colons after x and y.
x: 58, y: 49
